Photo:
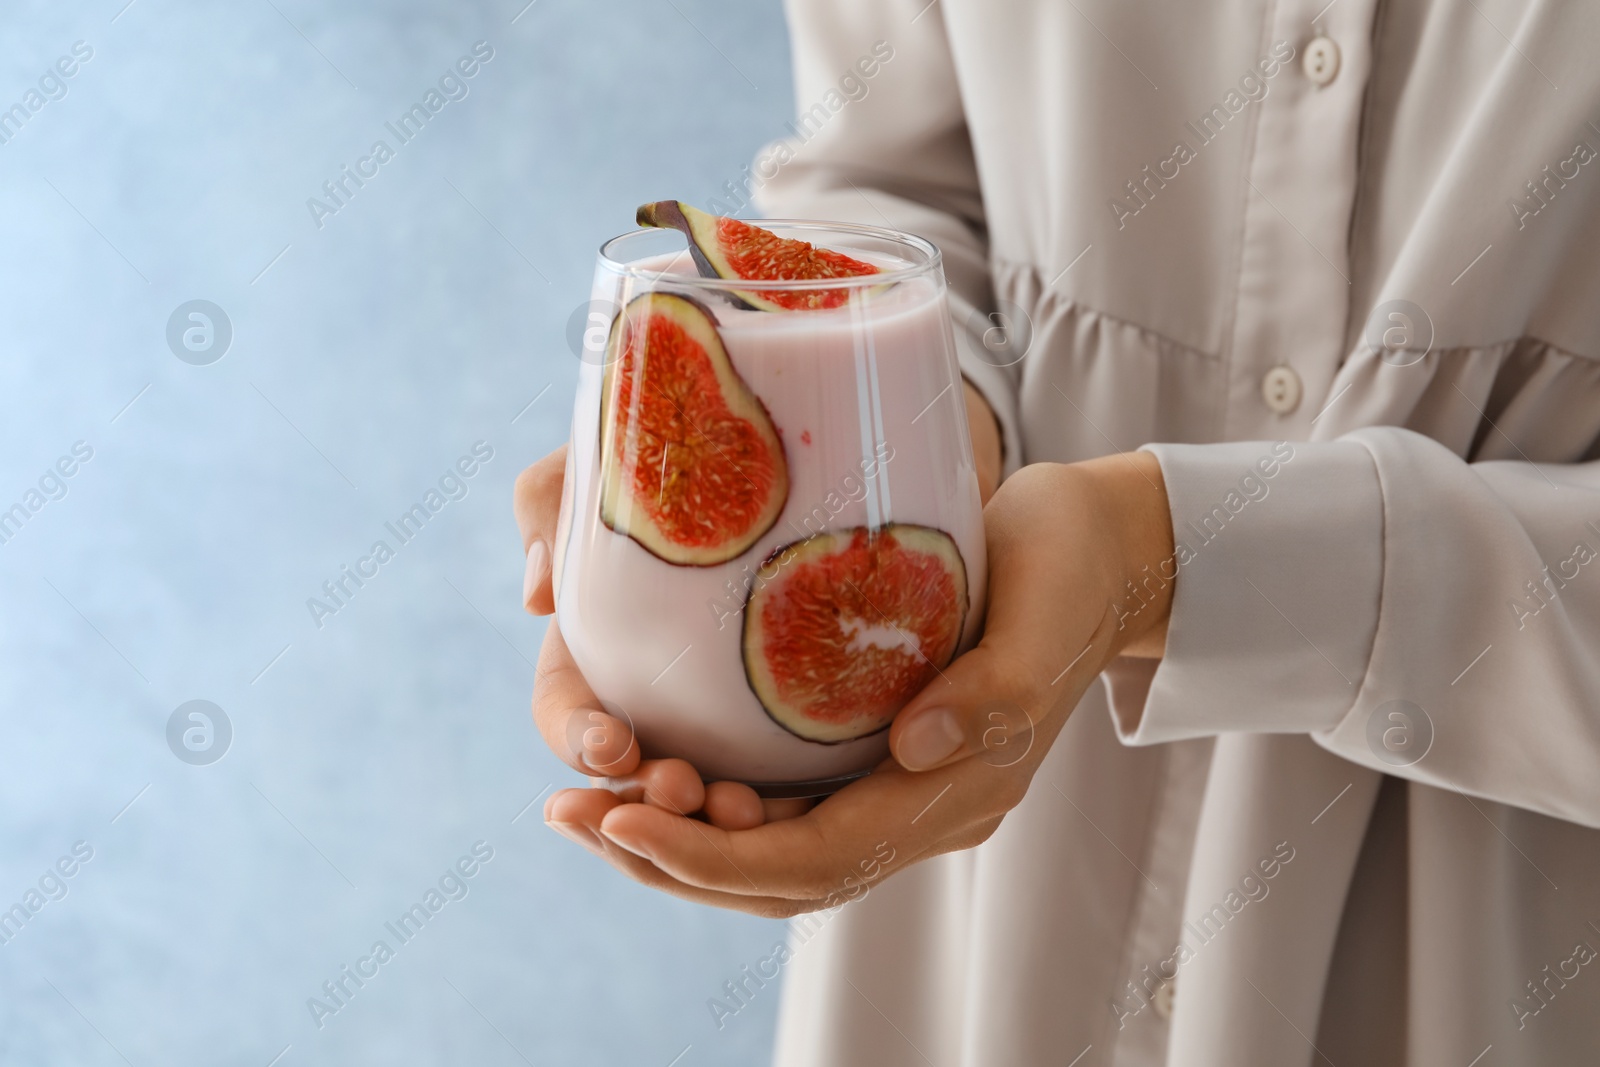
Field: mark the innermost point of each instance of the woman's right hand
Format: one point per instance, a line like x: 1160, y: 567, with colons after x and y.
x: 572, y: 721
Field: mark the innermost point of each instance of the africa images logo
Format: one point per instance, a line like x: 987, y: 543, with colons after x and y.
x: 199, y: 733
x: 453, y: 485
x: 52, y: 87
x: 199, y: 332
x: 453, y: 885
x: 1253, y: 87
x: 338, y: 191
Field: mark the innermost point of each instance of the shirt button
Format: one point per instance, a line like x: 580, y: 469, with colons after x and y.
x: 1280, y: 388
x: 1162, y: 999
x: 1321, y: 61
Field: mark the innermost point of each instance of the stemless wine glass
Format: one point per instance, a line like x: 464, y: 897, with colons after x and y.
x: 770, y: 536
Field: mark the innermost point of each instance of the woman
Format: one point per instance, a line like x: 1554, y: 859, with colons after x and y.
x: 1337, y: 263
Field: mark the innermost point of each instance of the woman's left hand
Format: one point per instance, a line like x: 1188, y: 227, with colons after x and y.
x: 1065, y: 540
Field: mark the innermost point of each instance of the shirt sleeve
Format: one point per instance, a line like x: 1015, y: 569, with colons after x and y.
x: 880, y: 138
x: 1412, y: 612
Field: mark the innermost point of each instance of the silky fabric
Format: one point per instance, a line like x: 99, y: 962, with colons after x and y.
x: 1336, y: 265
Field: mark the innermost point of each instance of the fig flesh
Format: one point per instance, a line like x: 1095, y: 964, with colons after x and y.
x: 691, y: 467
x: 845, y: 627
x: 735, y: 250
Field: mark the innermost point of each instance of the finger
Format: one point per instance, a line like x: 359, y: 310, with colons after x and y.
x: 989, y: 702
x: 986, y: 442
x: 1043, y: 641
x: 536, y: 501
x: 774, y: 810
x: 733, y: 806
x: 864, y: 831
x: 669, y: 784
x: 576, y: 815
x: 570, y: 718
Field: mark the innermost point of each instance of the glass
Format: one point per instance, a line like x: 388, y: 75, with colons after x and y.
x: 770, y: 535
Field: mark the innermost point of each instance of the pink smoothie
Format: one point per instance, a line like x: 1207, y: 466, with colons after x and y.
x: 868, y: 402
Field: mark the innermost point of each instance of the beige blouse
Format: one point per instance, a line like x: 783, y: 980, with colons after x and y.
x: 1337, y: 262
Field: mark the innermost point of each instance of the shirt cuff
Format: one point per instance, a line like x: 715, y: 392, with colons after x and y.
x: 1279, y: 571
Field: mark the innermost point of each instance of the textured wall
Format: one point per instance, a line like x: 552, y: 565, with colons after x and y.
x: 370, y: 753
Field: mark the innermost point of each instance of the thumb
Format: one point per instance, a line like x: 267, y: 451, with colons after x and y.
x: 1048, y: 633
x: 988, y: 705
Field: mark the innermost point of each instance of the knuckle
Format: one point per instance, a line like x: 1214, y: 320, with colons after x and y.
x: 547, y: 679
x: 1027, y: 484
x: 526, y: 479
x: 1007, y: 676
x: 555, y: 723
x: 1012, y: 790
x: 543, y: 475
x: 534, y: 482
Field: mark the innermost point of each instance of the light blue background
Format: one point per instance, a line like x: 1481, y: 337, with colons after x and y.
x: 420, y: 319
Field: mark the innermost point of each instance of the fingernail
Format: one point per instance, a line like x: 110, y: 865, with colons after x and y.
x: 537, y: 571
x: 593, y: 739
x: 629, y: 845
x: 579, y: 834
x: 592, y: 760
x: 933, y: 736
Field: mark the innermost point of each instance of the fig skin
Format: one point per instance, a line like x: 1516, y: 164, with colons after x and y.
x: 675, y: 215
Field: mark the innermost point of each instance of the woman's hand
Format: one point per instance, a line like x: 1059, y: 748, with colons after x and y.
x: 569, y: 715
x: 1065, y: 544
x: 567, y: 712
x: 987, y: 447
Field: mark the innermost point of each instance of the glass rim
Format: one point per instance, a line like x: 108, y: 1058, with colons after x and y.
x: 934, y: 260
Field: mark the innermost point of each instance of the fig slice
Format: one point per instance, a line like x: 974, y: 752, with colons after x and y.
x: 691, y: 467
x: 735, y: 250
x: 843, y: 628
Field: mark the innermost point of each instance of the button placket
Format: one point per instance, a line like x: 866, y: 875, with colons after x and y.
x: 1294, y: 269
